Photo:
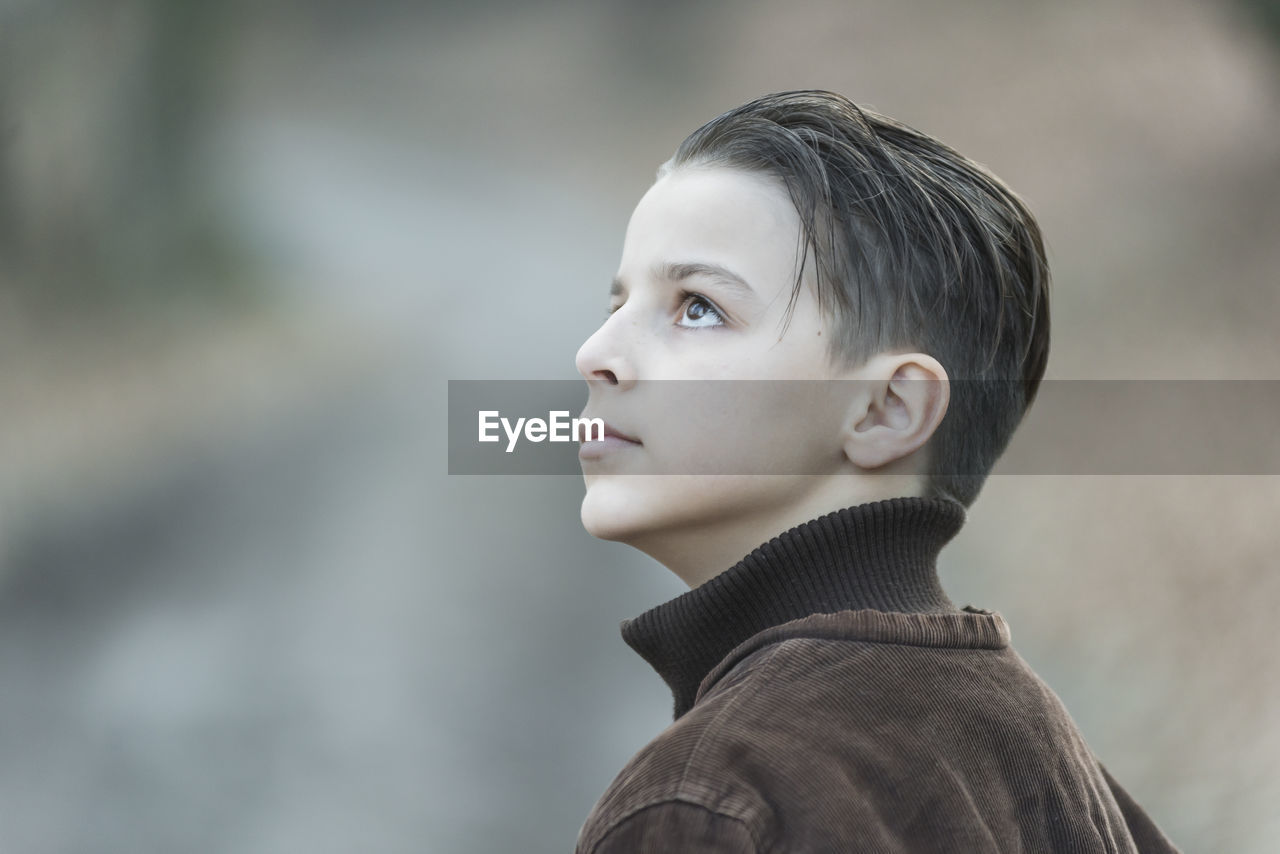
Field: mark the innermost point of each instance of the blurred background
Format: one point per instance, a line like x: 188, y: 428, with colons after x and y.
x: 243, y: 247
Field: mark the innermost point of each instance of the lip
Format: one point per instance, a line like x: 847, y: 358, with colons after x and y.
x: 610, y: 430
x: 614, y: 440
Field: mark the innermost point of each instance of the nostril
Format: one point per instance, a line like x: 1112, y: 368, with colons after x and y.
x: 608, y: 376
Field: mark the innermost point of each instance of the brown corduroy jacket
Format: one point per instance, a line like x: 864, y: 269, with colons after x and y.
x: 867, y: 731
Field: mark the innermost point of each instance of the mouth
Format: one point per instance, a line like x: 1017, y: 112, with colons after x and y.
x: 613, y: 440
x: 611, y: 431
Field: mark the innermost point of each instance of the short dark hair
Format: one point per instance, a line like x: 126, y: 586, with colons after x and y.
x: 915, y: 246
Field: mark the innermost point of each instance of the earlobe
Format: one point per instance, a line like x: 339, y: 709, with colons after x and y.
x: 901, y: 401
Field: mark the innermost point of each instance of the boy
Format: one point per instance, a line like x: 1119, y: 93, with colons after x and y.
x: 828, y: 695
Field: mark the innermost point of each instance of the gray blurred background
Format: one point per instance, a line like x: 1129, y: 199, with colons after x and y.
x: 243, y: 247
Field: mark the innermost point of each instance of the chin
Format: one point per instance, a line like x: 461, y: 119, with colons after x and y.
x: 640, y: 510
x: 611, y: 512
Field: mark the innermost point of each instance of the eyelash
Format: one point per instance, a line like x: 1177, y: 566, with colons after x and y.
x: 690, y: 296
x: 685, y: 297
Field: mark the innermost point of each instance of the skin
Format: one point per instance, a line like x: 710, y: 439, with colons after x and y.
x: 831, y: 446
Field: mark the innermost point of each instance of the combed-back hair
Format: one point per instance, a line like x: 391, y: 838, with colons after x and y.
x: 915, y: 247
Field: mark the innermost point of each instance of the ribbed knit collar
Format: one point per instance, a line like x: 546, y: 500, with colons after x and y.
x: 881, y: 555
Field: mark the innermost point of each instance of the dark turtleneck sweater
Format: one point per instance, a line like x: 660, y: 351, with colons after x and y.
x: 830, y: 697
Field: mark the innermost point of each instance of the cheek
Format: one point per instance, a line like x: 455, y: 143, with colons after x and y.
x: 744, y: 427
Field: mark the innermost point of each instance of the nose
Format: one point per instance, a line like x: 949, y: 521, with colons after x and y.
x: 605, y: 356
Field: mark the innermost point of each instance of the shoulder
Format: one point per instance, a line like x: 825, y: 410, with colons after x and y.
x: 769, y: 746
x: 670, y: 825
x: 686, y: 781
x: 813, y: 742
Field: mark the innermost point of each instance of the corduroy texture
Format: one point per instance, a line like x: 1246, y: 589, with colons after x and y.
x: 855, y: 729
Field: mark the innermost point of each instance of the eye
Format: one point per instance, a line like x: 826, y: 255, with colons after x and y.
x: 697, y: 311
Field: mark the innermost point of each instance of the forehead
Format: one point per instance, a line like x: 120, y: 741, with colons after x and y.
x: 738, y: 219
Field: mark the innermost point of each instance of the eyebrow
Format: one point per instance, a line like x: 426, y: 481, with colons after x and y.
x: 674, y: 271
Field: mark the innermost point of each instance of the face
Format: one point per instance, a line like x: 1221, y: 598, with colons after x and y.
x: 676, y: 316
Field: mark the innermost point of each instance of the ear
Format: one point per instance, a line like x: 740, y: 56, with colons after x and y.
x: 900, y: 402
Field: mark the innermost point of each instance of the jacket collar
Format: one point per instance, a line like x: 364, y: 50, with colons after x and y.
x: 879, y: 556
x: 971, y: 628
